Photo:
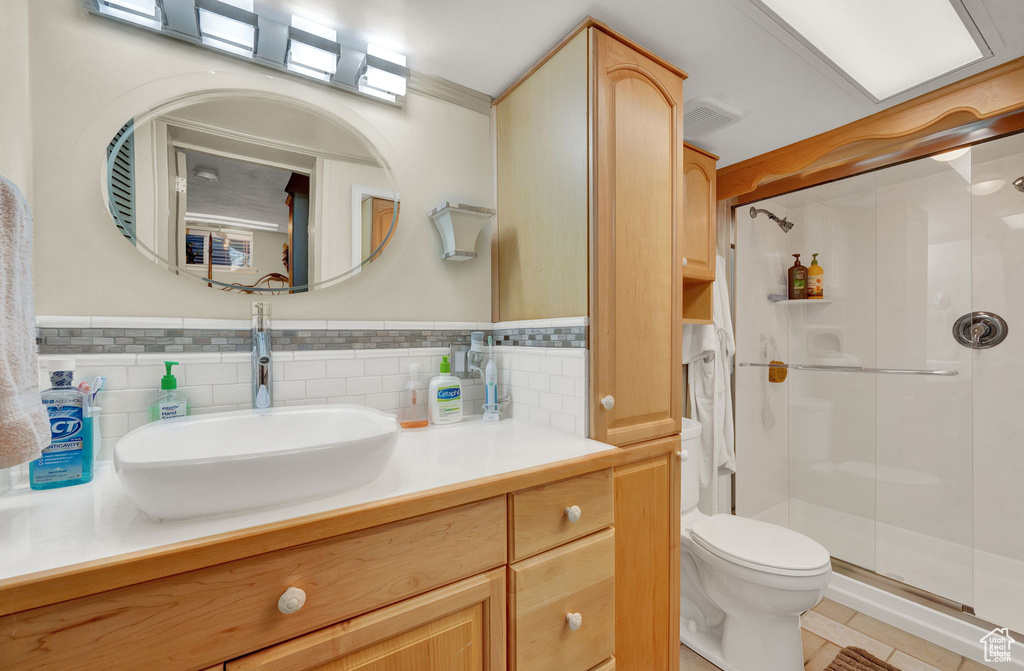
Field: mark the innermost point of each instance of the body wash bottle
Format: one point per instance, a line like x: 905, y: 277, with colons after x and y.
x: 815, y: 279
x: 169, y: 403
x: 68, y: 460
x: 445, y: 396
x: 797, y: 280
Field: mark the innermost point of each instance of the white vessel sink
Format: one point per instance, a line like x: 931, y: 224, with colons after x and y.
x: 232, y: 461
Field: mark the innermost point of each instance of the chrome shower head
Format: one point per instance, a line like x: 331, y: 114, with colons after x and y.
x: 1019, y: 183
x: 785, y: 224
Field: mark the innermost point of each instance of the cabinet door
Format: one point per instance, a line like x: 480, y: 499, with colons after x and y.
x: 636, y: 274
x: 647, y: 564
x: 700, y: 214
x: 456, y: 628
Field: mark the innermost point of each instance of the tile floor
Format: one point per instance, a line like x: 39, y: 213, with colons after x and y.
x: 831, y: 626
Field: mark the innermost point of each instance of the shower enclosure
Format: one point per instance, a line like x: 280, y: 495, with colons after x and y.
x: 897, y: 440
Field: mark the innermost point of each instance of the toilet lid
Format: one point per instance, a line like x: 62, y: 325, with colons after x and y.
x: 760, y: 545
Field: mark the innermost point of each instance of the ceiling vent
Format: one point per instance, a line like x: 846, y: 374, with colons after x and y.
x: 703, y: 116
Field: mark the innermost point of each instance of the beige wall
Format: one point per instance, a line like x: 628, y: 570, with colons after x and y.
x: 88, y: 75
x: 15, y: 120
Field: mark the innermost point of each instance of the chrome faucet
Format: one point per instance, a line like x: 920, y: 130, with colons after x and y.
x: 262, y: 365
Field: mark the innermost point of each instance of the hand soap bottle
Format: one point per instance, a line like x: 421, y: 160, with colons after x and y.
x: 69, y: 458
x: 169, y: 403
x: 445, y: 396
x: 413, y: 413
x: 797, y: 280
x: 815, y: 279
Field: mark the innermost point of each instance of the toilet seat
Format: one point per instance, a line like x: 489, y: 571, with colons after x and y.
x: 763, y: 547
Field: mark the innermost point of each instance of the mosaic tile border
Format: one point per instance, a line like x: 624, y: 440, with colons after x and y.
x: 141, y: 340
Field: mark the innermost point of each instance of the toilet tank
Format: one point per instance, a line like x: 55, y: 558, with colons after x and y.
x: 690, y: 466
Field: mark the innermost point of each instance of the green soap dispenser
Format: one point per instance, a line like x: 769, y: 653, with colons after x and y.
x: 169, y: 403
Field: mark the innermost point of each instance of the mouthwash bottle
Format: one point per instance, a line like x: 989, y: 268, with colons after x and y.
x: 68, y: 459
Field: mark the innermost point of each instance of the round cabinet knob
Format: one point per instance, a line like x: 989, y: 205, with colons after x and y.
x: 685, y: 260
x: 291, y: 601
x: 575, y: 621
x: 573, y: 513
x: 683, y: 455
x: 608, y: 402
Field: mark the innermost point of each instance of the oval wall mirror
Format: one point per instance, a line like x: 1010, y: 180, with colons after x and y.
x: 250, y: 194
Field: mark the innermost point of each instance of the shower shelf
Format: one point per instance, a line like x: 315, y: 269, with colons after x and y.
x: 854, y: 369
x: 812, y: 301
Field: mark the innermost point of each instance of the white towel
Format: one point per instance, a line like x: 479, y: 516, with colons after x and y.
x: 24, y: 426
x: 708, y: 351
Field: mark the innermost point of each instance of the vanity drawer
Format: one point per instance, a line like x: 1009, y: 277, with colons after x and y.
x: 540, y: 517
x: 199, y: 618
x: 575, y: 579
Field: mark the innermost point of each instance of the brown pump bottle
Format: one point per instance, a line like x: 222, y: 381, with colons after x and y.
x: 797, y: 280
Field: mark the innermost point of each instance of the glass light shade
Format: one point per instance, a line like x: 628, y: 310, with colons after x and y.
x: 385, y: 81
x: 987, y: 188
x: 887, y: 47
x: 143, y: 12
x: 225, y: 33
x: 386, y: 54
x: 376, y: 93
x: 951, y: 155
x: 309, y: 60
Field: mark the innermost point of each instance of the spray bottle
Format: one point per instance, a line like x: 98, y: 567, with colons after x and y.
x: 491, y: 413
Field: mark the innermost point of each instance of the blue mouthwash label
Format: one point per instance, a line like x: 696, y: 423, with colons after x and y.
x: 62, y: 460
x: 449, y: 400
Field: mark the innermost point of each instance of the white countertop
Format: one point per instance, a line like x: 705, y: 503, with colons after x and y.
x: 54, y: 528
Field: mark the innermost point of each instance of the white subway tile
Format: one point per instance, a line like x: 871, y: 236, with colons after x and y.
x: 128, y: 400
x: 564, y: 386
x: 323, y: 354
x: 581, y: 427
x: 528, y: 362
x: 398, y: 382
x: 243, y: 357
x: 346, y: 368
x: 230, y: 407
x: 224, y: 394
x: 113, y: 425
x: 117, y: 376
x: 244, y: 371
x: 211, y: 373
x: 581, y: 387
x: 519, y: 378
x: 347, y: 400
x: 576, y: 407
x: 289, y: 390
x: 198, y: 397
x: 364, y: 385
x: 307, y: 401
x: 574, y: 367
x: 355, y: 325
x: 304, y: 370
x: 539, y: 382
x: 382, y: 401
x: 383, y: 366
x: 181, y: 357
x: 525, y: 397
x: 325, y: 388
x: 456, y: 326
x: 551, y: 402
x: 137, y: 419
x: 278, y: 355
x: 551, y: 365
x: 83, y: 360
x: 148, y: 377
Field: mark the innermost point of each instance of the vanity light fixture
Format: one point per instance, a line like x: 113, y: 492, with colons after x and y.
x: 301, y: 47
x: 459, y: 226
x: 313, y: 49
x: 228, y: 25
x: 987, y: 188
x: 143, y: 12
x: 951, y: 155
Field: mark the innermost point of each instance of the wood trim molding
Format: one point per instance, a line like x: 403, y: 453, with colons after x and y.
x: 981, y: 107
x: 700, y: 150
x: 590, y: 22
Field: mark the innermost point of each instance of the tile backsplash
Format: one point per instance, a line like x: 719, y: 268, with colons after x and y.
x: 544, y: 384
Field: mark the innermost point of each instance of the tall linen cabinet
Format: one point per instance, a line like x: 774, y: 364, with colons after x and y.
x: 590, y: 223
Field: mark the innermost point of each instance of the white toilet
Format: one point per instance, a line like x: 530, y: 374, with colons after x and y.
x: 744, y: 583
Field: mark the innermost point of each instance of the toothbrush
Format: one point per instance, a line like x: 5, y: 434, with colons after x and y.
x: 97, y: 385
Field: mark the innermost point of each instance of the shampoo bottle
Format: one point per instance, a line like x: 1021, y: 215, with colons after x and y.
x: 445, y: 396
x: 815, y: 279
x: 797, y: 280
x: 69, y: 458
x: 169, y: 403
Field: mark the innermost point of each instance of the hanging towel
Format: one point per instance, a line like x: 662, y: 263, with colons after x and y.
x: 24, y: 426
x: 708, y: 351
